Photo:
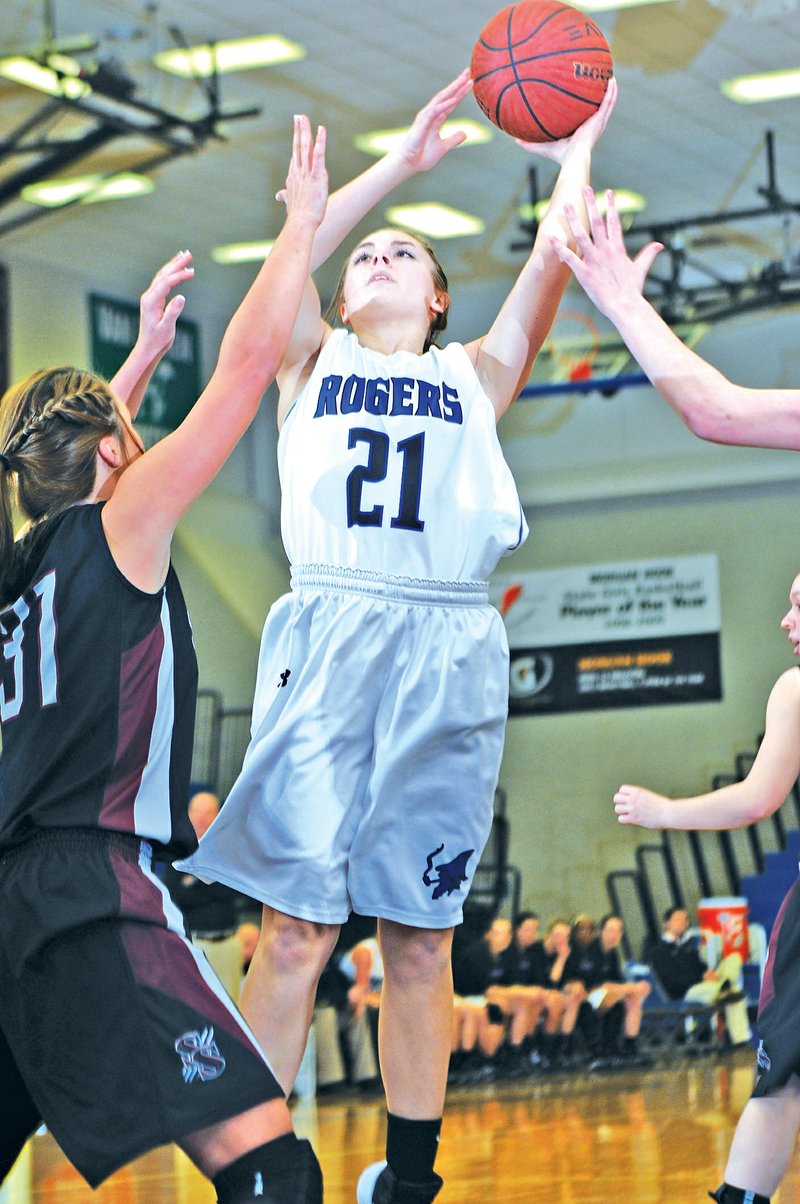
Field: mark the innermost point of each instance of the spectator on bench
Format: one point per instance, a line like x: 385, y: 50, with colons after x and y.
x: 598, y: 968
x: 683, y: 974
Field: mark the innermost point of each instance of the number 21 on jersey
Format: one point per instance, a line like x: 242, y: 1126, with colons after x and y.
x: 375, y: 470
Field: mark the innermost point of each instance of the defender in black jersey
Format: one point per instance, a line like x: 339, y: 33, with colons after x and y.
x: 766, y: 1134
x: 113, y: 1029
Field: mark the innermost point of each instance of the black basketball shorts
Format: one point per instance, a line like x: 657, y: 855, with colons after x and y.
x: 121, y: 1032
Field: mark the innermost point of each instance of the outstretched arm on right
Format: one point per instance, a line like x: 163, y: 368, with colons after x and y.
x: 774, y: 772
x: 706, y: 401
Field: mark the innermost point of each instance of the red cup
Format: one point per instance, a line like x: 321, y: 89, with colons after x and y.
x: 723, y: 926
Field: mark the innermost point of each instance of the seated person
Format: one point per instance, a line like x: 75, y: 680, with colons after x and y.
x: 597, y: 966
x: 683, y: 974
x: 486, y: 1000
x: 556, y: 949
x: 530, y: 972
x: 362, y: 968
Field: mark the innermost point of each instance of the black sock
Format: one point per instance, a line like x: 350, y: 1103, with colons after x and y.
x: 629, y: 1044
x: 411, y: 1147
x: 736, y: 1195
x: 282, y: 1171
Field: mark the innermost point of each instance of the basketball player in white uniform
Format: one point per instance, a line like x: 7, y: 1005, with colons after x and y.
x: 382, y: 689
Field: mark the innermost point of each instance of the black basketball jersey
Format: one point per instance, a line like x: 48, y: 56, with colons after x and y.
x: 98, y: 684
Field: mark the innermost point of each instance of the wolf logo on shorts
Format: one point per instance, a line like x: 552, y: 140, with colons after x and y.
x: 451, y: 873
x: 762, y: 1058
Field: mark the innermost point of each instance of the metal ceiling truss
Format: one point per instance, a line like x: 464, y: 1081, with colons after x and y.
x: 112, y: 111
x: 678, y: 295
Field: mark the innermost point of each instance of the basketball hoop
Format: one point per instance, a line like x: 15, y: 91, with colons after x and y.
x: 572, y: 346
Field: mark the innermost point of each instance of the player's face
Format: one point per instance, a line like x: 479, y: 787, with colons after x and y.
x: 527, y: 933
x: 791, y: 620
x: 499, y: 936
x: 612, y: 933
x: 558, y: 938
x: 677, y: 923
x: 392, y: 270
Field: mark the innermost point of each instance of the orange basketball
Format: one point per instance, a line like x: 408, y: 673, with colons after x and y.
x: 539, y: 69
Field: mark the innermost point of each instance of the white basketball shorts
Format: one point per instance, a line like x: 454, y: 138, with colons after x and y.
x: 377, y: 736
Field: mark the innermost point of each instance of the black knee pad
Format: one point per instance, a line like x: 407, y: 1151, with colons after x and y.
x: 725, y: 1194
x: 284, y: 1171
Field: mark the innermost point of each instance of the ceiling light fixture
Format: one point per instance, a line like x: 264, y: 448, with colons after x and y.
x: 433, y: 220
x: 628, y: 202
x: 237, y: 54
x: 87, y: 189
x: 380, y: 142
x: 59, y: 79
x: 602, y: 6
x: 770, y: 85
x: 242, y: 252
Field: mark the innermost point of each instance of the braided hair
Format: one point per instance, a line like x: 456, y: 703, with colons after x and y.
x: 51, y: 424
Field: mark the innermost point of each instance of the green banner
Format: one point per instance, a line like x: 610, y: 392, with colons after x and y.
x: 175, y: 386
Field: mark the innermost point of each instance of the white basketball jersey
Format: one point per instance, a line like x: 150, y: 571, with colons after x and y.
x: 391, y: 464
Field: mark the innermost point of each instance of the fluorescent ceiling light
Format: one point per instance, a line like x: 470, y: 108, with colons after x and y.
x: 86, y: 189
x: 60, y: 82
x: 771, y: 85
x: 602, y: 6
x: 627, y: 202
x: 237, y: 54
x: 434, y: 220
x: 380, y: 142
x: 242, y: 252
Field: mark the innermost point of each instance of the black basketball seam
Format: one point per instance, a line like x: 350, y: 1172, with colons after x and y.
x: 547, y: 84
x: 500, y: 96
x: 509, y: 46
x: 545, y: 54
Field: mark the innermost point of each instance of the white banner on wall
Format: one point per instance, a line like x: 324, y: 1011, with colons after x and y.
x: 629, y: 633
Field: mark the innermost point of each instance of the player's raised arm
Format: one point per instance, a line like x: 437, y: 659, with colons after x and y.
x: 158, y: 314
x: 774, y: 771
x: 706, y: 401
x: 153, y: 493
x: 504, y: 357
x: 421, y: 149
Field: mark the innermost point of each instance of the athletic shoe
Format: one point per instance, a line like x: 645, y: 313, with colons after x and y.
x: 378, y: 1185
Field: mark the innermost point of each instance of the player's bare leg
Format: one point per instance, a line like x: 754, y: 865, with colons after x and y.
x: 256, y: 1154
x: 415, y: 1017
x: 414, y: 1039
x: 281, y: 985
x: 764, y: 1141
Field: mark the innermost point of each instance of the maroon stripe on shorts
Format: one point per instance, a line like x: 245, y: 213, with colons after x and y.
x: 164, y: 962
x: 138, y: 698
x: 767, y: 983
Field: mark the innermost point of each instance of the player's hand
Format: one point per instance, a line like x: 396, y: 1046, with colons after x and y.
x: 586, y: 134
x: 423, y: 145
x: 635, y: 805
x: 600, y: 263
x: 158, y: 313
x: 305, y: 193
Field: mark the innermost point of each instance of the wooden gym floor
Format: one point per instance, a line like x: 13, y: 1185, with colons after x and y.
x: 642, y: 1136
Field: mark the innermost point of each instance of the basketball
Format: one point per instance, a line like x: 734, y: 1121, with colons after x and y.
x: 539, y: 69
